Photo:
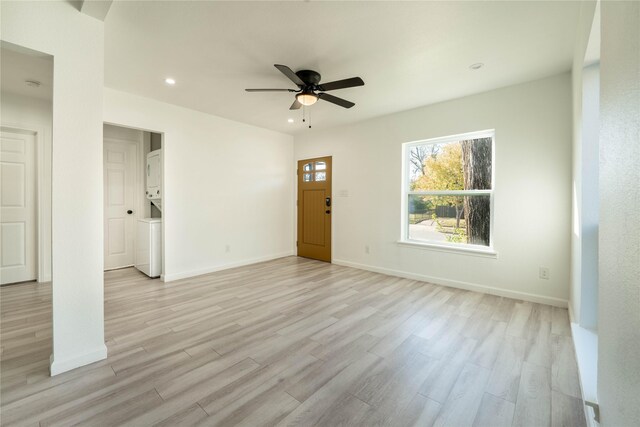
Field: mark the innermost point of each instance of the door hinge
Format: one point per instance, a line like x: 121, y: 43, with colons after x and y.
x: 296, y: 203
x: 297, y: 171
x: 296, y: 243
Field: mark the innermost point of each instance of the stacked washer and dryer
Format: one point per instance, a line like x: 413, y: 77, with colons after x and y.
x: 149, y: 233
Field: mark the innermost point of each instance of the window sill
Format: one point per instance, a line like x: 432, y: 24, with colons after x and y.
x: 585, y: 342
x: 486, y: 253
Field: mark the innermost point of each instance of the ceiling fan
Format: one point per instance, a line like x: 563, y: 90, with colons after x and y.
x: 310, y: 90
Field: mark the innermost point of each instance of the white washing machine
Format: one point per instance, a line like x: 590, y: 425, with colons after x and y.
x: 149, y: 242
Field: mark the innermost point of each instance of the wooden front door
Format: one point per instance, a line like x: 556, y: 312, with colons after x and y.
x: 314, y: 208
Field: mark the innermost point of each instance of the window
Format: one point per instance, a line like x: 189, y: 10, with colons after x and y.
x: 310, y: 176
x: 448, y: 191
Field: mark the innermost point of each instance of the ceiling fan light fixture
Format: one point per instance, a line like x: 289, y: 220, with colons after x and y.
x: 307, y: 98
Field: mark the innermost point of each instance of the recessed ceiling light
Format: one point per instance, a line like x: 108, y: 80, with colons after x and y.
x: 32, y: 83
x: 169, y: 81
x: 476, y: 66
x: 290, y: 120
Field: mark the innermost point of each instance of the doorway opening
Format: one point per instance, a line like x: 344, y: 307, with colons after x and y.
x: 133, y: 182
x: 314, y: 208
x: 26, y: 92
x: 26, y: 123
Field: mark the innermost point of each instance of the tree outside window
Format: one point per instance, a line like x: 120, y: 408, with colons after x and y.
x: 449, y: 189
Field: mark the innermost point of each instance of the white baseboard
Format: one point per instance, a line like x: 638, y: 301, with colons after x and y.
x: 187, y: 274
x: 541, y: 299
x: 571, y: 318
x: 59, y: 366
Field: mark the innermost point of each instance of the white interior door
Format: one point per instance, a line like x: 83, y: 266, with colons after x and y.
x: 17, y: 208
x: 119, y: 203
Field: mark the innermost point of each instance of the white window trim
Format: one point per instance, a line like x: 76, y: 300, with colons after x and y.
x: 462, y: 248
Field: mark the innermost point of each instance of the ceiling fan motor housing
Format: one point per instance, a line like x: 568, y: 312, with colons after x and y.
x: 309, y: 77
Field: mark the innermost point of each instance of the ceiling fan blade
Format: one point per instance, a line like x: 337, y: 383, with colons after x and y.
x: 289, y: 73
x: 341, y: 84
x: 335, y: 100
x: 295, y: 106
x: 270, y: 90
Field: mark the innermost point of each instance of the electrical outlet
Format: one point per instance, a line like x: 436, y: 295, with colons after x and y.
x: 366, y: 249
x: 227, y: 248
x: 544, y: 273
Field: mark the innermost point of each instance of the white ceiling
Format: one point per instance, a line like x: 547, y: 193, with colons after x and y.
x: 18, y: 64
x: 408, y: 53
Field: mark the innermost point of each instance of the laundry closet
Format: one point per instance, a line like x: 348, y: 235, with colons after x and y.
x: 133, y: 194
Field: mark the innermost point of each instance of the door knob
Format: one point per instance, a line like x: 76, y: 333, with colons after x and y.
x: 129, y: 211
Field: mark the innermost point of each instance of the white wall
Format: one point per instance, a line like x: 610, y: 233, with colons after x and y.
x: 76, y: 42
x: 35, y: 114
x: 619, y: 267
x: 225, y: 184
x: 532, y: 189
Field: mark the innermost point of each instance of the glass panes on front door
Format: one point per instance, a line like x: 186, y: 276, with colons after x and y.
x: 320, y: 173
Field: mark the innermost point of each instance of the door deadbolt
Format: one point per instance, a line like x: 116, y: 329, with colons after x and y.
x: 129, y: 211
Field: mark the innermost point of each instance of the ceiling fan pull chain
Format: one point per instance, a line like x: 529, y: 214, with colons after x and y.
x: 304, y: 109
x: 309, y: 119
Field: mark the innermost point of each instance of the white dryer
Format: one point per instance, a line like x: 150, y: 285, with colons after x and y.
x: 149, y: 246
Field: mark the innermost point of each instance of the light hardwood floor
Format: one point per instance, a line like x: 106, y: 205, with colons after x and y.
x: 294, y: 342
